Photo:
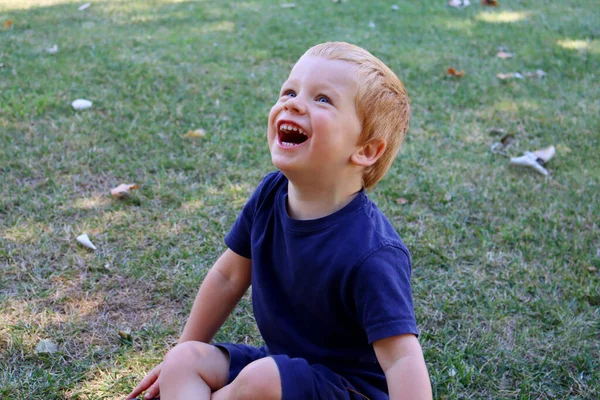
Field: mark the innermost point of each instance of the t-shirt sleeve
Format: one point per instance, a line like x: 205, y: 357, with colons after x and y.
x: 238, y: 237
x: 382, y: 294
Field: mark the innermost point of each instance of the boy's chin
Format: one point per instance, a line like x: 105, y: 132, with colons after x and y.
x: 283, y: 166
x: 287, y: 167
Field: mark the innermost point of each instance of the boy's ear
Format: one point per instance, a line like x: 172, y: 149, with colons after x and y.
x: 369, y: 153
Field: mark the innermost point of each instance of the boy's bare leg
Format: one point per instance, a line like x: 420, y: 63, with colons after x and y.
x: 258, y: 380
x: 192, y: 370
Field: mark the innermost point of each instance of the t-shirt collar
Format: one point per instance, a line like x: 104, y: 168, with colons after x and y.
x: 318, y: 223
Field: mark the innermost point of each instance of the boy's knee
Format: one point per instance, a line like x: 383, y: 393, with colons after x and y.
x: 259, y: 379
x: 184, y: 355
x: 205, y: 360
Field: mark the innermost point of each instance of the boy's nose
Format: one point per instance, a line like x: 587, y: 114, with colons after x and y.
x: 294, y: 104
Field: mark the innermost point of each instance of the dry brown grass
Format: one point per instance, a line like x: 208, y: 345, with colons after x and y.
x: 85, y: 313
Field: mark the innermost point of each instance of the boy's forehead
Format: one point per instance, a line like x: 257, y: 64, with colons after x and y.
x: 322, y: 70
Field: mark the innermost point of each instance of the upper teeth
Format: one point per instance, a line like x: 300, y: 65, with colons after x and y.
x: 289, y: 127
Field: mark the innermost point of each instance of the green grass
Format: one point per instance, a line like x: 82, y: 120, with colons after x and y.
x: 506, y: 263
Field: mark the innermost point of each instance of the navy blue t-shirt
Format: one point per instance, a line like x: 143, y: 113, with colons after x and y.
x: 325, y: 289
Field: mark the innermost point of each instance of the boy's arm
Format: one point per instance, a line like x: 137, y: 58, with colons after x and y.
x: 401, y: 358
x: 221, y: 290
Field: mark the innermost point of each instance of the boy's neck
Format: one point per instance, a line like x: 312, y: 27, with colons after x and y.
x: 311, y: 199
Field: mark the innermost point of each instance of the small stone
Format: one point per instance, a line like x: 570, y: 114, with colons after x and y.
x: 81, y: 104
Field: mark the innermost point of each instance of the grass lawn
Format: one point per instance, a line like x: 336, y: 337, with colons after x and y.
x: 506, y: 275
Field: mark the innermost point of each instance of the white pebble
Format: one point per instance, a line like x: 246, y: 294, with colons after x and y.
x: 81, y: 104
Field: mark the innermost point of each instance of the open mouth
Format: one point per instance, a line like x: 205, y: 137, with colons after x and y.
x: 291, y: 135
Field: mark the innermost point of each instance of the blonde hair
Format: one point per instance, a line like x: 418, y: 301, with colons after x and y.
x: 382, y: 103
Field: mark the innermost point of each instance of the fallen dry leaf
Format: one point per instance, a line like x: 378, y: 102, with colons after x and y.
x: 401, y: 200
x: 453, y: 72
x: 123, y: 189
x: 8, y: 24
x: 503, y: 144
x: 507, y: 140
x: 125, y: 334
x: 196, y: 133
x: 84, y: 6
x: 504, y: 54
x: 371, y: 24
x: 395, y: 7
x: 46, y: 346
x: 491, y: 3
x: 509, y: 76
x: 459, y: 3
x: 52, y: 50
x: 288, y: 5
x: 562, y: 148
x: 591, y: 269
x: 496, y: 131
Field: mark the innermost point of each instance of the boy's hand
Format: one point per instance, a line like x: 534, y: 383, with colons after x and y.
x: 150, y: 382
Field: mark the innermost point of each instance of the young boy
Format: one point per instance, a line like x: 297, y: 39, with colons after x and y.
x: 330, y: 276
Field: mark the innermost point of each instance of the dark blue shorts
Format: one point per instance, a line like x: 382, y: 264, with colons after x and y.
x: 299, y: 380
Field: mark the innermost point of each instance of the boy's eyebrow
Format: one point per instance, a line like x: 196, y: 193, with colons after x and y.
x: 322, y: 86
x: 330, y: 89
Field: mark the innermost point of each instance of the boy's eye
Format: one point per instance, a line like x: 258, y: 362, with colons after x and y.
x: 323, y: 99
x: 289, y: 93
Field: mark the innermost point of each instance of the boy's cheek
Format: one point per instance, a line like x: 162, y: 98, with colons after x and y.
x: 274, y: 110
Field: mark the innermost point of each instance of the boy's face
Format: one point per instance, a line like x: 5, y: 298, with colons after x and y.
x: 314, y: 126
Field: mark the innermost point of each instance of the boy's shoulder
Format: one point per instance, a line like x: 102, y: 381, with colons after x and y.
x: 265, y: 192
x: 371, y: 230
x: 270, y: 183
